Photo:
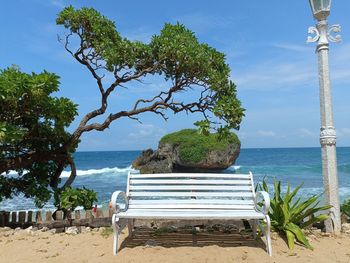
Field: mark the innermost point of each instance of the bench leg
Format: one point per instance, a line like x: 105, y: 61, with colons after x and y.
x: 130, y: 226
x: 267, y: 235
x: 116, y: 229
x: 254, y: 223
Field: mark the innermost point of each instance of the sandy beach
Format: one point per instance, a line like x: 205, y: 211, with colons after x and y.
x: 149, y: 246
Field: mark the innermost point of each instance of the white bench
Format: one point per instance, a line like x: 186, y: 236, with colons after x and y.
x: 190, y: 196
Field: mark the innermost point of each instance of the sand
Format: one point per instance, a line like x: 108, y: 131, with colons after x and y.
x: 147, y: 246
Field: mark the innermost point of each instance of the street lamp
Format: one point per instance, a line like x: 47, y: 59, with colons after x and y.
x: 322, y: 34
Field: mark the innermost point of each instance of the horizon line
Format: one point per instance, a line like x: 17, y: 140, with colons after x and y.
x: 245, y: 148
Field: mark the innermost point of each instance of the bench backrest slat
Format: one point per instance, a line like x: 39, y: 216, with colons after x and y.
x: 156, y: 195
x: 190, y: 187
x: 190, y: 181
x: 190, y: 191
x: 191, y: 175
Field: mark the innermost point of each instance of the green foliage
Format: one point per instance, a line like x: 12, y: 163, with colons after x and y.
x: 345, y: 207
x: 71, y: 198
x: 32, y: 132
x: 203, y: 127
x: 107, y: 232
x: 289, y: 216
x: 194, y: 146
x: 175, y: 53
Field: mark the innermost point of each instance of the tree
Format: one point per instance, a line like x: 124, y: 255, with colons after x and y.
x: 32, y: 133
x: 174, y: 55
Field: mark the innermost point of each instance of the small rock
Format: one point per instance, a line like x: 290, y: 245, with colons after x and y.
x: 52, y: 231
x: 274, y: 235
x: 29, y: 229
x: 95, y: 229
x: 345, y: 228
x: 17, y: 229
x: 73, y: 230
x: 8, y: 233
x: 101, y: 229
x: 4, y: 229
x: 88, y: 229
x: 151, y: 243
x: 44, y: 229
x: 316, y: 231
x: 312, y: 236
x: 325, y: 234
x: 34, y: 233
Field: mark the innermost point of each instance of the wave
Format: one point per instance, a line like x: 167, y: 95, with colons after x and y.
x: 106, y: 170
x: 234, y: 167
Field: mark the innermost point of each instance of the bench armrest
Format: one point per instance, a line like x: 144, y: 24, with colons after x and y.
x: 266, y: 202
x: 115, y: 205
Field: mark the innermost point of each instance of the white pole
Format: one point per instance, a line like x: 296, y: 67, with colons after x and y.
x: 328, y: 134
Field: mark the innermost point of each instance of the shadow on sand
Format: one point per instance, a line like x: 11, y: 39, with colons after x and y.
x: 185, y: 238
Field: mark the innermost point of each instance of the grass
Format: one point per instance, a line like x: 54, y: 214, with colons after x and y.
x: 106, y: 232
x: 194, y: 146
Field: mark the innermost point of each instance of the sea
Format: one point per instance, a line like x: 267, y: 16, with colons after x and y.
x: 106, y: 172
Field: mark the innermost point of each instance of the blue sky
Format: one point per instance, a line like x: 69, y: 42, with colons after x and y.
x: 265, y: 43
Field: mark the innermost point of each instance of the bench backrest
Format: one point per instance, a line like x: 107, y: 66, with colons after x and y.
x: 191, y: 191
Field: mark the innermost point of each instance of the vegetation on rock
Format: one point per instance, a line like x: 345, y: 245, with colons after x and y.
x: 195, y: 146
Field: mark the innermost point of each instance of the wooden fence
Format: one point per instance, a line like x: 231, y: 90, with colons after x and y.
x: 24, y: 219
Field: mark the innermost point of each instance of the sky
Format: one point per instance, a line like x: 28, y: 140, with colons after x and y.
x: 265, y: 45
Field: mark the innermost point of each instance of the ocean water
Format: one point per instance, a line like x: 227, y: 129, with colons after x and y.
x: 106, y: 172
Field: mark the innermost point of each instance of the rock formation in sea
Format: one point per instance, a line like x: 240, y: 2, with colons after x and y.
x: 187, y: 150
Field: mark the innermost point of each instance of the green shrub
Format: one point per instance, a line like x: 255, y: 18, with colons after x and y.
x: 193, y: 146
x: 289, y: 216
x: 71, y: 198
x: 345, y: 207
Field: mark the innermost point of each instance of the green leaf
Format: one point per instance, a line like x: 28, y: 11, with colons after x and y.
x: 298, y: 234
x: 290, y: 239
x: 313, y: 220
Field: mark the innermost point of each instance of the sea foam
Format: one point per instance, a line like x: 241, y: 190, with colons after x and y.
x: 106, y: 170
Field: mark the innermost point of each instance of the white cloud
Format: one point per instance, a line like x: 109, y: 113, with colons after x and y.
x: 343, y: 132
x: 293, y: 69
x: 142, y: 34
x: 266, y: 133
x: 307, y: 133
x: 58, y: 3
x: 293, y: 47
x: 277, y: 74
x: 146, y: 131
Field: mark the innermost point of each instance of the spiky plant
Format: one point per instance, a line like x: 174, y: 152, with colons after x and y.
x: 289, y: 216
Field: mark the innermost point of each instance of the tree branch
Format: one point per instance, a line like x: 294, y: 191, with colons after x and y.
x: 73, y: 173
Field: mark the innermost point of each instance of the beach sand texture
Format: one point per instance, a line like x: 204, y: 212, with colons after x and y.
x: 184, y: 247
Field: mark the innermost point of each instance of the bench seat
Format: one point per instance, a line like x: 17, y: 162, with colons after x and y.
x: 190, y: 214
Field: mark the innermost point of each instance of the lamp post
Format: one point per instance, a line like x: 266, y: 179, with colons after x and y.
x: 322, y: 34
